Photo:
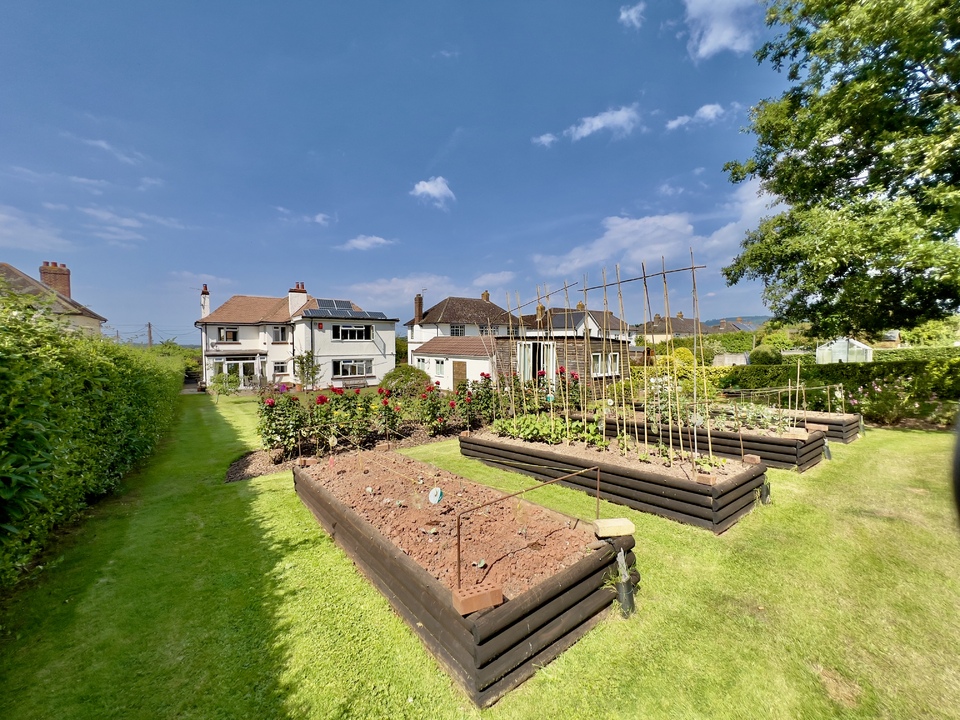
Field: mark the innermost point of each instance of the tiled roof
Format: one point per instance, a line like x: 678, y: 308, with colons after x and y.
x: 563, y: 319
x: 476, y: 346
x: 678, y: 326
x: 469, y: 311
x: 62, y: 305
x: 251, y: 310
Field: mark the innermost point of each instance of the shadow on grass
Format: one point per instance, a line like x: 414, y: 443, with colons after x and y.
x: 162, y: 603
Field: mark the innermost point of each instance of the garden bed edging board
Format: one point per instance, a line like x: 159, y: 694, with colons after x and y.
x: 714, y: 507
x: 841, y: 427
x: 491, y: 651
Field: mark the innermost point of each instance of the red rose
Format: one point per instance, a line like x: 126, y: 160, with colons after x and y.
x: 356, y: 391
x: 561, y: 369
x: 321, y: 399
x: 379, y: 391
x: 387, y: 393
x: 396, y: 408
x: 386, y: 403
x: 469, y: 400
x: 423, y: 397
x: 269, y: 402
x: 437, y: 383
x: 452, y: 404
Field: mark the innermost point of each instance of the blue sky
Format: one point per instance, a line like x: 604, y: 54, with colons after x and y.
x: 375, y: 150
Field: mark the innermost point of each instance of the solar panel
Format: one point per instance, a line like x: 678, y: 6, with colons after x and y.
x: 343, y: 304
x: 344, y: 314
x: 326, y: 303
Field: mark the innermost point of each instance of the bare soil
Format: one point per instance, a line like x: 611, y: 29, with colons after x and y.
x: 514, y: 544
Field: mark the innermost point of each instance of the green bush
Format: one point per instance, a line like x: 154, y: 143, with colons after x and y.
x: 765, y: 355
x: 76, y: 413
x: 405, y: 381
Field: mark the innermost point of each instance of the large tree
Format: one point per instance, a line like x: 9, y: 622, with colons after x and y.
x: 863, y: 150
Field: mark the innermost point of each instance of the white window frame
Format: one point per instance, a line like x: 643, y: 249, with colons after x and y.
x: 422, y: 364
x: 353, y: 333
x: 225, y: 331
x: 280, y: 333
x: 439, y: 366
x: 608, y: 368
x: 458, y: 330
x: 353, y: 367
x: 489, y: 329
x: 279, y: 367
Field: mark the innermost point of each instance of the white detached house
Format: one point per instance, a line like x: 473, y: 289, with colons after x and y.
x: 257, y: 338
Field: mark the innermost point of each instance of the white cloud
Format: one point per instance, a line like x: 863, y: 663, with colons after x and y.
x: 365, y: 242
x: 717, y: 25
x: 321, y: 219
x: 395, y: 295
x: 447, y: 54
x: 282, y: 210
x: 55, y: 206
x: 620, y: 122
x: 93, y: 186
x: 632, y: 241
x: 20, y: 231
x: 545, y: 140
x: 670, y: 190
x: 198, y: 279
x: 111, y: 218
x: 632, y: 16
x: 130, y: 158
x: 497, y: 279
x: 435, y: 189
x: 115, y: 235
x: 706, y: 114
x: 172, y: 223
x: 149, y: 182
x: 699, y: 170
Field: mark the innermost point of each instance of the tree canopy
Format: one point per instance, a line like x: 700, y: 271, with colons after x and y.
x: 863, y: 150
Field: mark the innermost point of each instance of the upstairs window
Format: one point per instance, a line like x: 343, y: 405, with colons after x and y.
x: 228, y: 334
x: 352, y: 332
x: 457, y: 331
x: 489, y: 329
x: 280, y: 333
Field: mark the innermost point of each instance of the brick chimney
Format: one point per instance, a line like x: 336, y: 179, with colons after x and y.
x: 679, y: 316
x: 580, y: 306
x: 723, y: 323
x: 541, y: 311
x: 418, y: 309
x: 204, y: 301
x: 56, y: 276
x: 296, y: 297
x: 485, y: 296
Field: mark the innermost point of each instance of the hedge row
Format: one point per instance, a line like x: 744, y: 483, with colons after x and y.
x: 76, y: 413
x: 930, y: 354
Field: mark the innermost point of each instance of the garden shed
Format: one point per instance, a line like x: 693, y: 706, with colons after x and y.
x: 844, y: 350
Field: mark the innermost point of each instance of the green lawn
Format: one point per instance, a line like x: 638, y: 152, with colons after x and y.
x: 185, y: 597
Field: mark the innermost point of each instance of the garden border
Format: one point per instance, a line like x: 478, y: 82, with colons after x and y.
x: 492, y: 651
x: 714, y: 507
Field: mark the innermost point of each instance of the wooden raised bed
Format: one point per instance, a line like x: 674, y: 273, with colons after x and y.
x: 715, y: 507
x: 779, y: 452
x: 491, y: 651
x: 841, y: 427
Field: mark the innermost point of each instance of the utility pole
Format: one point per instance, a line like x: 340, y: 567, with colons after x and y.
x: 149, y: 335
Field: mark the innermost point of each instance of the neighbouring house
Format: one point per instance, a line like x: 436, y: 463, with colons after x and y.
x: 661, y: 329
x: 259, y: 339
x: 453, y: 360
x: 457, y: 317
x: 732, y: 326
x: 845, y: 350
x: 575, y: 323
x: 54, y: 283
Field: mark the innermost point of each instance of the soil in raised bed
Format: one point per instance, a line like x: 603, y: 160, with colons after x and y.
x: 611, y: 455
x: 514, y: 544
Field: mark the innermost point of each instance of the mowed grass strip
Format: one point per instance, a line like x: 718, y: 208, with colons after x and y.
x: 841, y: 599
x: 185, y: 597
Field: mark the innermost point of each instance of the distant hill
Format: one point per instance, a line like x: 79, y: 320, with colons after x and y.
x: 757, y: 320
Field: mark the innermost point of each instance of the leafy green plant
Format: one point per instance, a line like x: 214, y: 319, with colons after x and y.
x: 405, y: 381
x: 225, y: 384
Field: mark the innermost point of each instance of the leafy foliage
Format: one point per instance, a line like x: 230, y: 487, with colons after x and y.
x: 225, y: 384
x: 765, y: 355
x: 863, y: 150
x: 405, y: 381
x: 76, y: 413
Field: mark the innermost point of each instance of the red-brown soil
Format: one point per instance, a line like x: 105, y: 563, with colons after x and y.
x: 514, y: 544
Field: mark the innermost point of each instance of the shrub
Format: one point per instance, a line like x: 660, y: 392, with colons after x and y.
x: 405, y: 381
x: 76, y: 413
x: 765, y: 355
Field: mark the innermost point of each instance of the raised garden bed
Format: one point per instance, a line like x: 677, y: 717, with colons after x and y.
x: 801, y: 452
x: 840, y: 427
x: 714, y: 507
x: 491, y: 651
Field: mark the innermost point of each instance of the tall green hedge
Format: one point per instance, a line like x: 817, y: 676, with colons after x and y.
x: 76, y: 413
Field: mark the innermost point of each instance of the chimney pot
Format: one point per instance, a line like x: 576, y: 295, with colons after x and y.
x: 56, y: 277
x: 418, y: 309
x: 679, y: 316
x: 485, y: 296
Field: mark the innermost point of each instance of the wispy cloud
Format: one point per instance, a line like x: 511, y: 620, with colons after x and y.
x: 365, y: 242
x: 321, y: 219
x: 704, y: 115
x: 55, y: 206
x: 632, y: 241
x: 21, y: 231
x: 111, y: 218
x: 631, y: 16
x: 89, y: 184
x: 620, y: 122
x: 149, y: 182
x: 545, y: 140
x: 496, y: 279
x: 670, y: 190
x: 436, y: 190
x: 93, y: 186
x: 288, y: 216
x: 115, y: 235
x: 447, y: 54
x: 168, y: 222
x: 718, y: 25
x: 129, y: 157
